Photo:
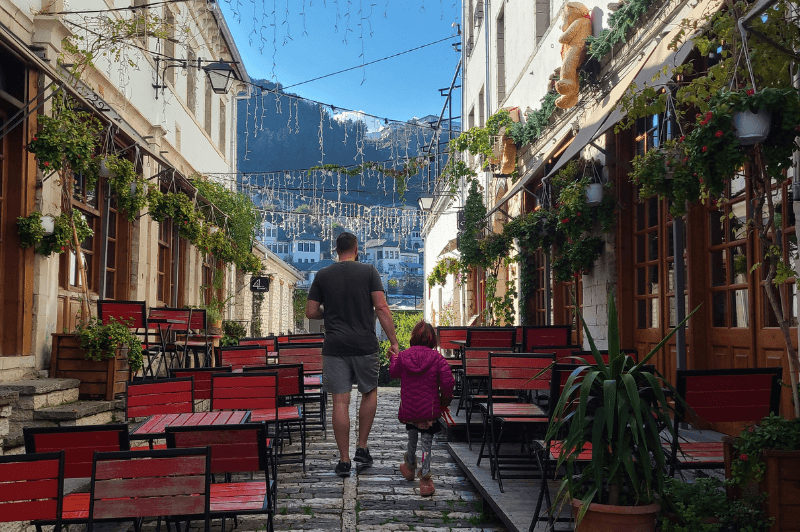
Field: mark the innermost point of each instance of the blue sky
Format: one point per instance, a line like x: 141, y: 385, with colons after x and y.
x: 308, y: 40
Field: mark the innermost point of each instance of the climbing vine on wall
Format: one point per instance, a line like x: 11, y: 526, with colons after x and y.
x: 620, y: 23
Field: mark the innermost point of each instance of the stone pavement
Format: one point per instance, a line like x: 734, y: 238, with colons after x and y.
x: 374, y: 498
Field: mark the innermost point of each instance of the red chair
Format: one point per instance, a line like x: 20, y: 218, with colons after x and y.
x: 270, y: 342
x: 78, y: 445
x: 170, y: 323
x: 310, y: 356
x: 235, y: 449
x: 290, y: 408
x: 245, y: 391
x: 162, y: 396
x: 519, y: 374
x: 492, y: 337
x: 134, y: 314
x: 240, y: 356
x: 544, y: 335
x: 202, y: 379
x: 127, y: 486
x: 448, y: 334
x: 32, y: 488
x: 720, y: 396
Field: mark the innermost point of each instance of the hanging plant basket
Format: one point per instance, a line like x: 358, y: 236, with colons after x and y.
x: 48, y: 224
x: 594, y: 194
x: 752, y: 127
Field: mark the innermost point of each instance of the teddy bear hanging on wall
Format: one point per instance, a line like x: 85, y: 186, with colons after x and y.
x: 577, y: 27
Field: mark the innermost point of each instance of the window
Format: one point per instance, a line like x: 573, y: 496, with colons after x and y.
x: 191, y: 81
x: 177, y: 137
x: 169, y: 42
x: 208, y: 105
x: 501, y: 56
x: 164, y: 274
x: 481, y: 108
x: 223, y: 122
x: 86, y: 204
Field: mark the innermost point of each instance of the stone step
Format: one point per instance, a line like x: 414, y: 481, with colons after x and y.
x: 35, y: 394
x: 80, y: 413
x: 14, y: 437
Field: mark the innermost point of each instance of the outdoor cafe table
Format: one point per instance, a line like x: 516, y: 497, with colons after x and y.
x: 153, y: 428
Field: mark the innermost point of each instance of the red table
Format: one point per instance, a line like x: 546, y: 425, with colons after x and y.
x: 154, y: 426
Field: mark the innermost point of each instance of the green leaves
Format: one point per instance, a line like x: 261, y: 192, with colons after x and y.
x: 101, y: 341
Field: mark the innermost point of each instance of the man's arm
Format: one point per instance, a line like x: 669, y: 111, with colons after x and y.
x: 385, y: 317
x: 313, y: 311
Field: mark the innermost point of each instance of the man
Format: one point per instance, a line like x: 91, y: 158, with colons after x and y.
x: 352, y: 294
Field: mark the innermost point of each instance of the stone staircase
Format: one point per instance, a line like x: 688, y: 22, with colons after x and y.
x: 50, y: 403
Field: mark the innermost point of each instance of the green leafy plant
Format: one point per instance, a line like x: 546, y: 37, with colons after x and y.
x: 299, y: 301
x: 441, y: 270
x: 128, y: 186
x: 30, y: 230
x: 702, y: 506
x: 535, y: 121
x: 773, y: 432
x: 67, y: 139
x: 102, y: 341
x: 621, y: 21
x: 620, y: 410
x: 650, y: 174
x: 232, y: 332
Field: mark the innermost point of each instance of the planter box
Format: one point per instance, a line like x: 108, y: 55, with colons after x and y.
x: 100, y: 379
x: 781, y: 481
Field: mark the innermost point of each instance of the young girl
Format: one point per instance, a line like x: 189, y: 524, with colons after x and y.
x: 426, y: 389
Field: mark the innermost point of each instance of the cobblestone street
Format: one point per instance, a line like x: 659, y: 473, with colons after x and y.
x: 374, y: 498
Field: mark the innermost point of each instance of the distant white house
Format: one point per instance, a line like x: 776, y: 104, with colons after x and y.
x: 309, y: 271
x: 384, y: 254
x: 407, y: 255
x: 306, y: 249
x: 275, y: 241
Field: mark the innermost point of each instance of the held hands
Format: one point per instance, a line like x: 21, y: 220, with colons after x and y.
x: 394, y: 349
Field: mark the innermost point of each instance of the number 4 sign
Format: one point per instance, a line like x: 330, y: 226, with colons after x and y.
x: 259, y: 284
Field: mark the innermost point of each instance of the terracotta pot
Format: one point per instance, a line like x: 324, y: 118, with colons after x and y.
x: 610, y: 518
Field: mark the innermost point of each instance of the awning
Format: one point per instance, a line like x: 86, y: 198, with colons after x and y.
x: 650, y: 71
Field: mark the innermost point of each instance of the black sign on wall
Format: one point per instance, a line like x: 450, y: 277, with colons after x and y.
x: 259, y: 284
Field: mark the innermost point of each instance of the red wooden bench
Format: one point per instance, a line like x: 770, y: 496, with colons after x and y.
x: 202, y: 379
x: 78, y: 444
x: 128, y: 486
x: 516, y: 375
x: 720, y: 396
x: 543, y: 335
x: 240, y: 356
x: 448, y: 334
x: 32, y: 488
x: 235, y: 449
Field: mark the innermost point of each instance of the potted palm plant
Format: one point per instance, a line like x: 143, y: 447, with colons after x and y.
x: 619, y: 410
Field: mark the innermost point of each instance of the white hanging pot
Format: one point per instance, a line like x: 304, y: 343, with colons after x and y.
x: 48, y: 224
x: 752, y: 127
x: 594, y: 194
x: 104, y: 171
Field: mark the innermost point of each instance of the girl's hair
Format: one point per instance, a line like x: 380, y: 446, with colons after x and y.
x: 423, y: 333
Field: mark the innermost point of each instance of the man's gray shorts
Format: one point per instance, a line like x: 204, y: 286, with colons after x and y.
x: 340, y: 373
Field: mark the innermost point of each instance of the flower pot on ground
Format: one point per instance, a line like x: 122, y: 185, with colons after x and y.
x: 619, y: 410
x: 752, y: 126
x: 100, y: 379
x: 611, y: 518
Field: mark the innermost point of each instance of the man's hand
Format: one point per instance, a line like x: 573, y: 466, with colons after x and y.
x: 394, y: 349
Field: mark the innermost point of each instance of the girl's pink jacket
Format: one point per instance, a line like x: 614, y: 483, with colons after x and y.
x: 426, y: 383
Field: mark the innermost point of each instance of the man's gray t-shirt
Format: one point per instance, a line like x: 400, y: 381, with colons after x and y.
x: 345, y: 288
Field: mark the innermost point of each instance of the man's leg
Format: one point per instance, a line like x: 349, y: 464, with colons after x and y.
x: 341, y: 423
x: 366, y: 415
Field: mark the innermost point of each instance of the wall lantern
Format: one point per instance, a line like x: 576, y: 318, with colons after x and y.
x: 220, y: 75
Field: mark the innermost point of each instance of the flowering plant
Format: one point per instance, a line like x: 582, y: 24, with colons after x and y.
x: 31, y: 232
x: 667, y: 172
x: 101, y: 341
x: 774, y: 432
x: 714, y: 149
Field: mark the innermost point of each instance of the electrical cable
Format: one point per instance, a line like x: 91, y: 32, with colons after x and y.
x: 111, y: 10
x: 368, y: 63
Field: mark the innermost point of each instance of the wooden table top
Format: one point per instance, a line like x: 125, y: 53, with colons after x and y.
x: 154, y: 425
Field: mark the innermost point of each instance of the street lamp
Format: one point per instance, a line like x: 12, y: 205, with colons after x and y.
x: 425, y: 202
x: 220, y: 75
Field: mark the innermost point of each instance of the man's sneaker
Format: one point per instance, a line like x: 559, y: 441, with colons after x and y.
x: 362, y: 456
x: 342, y: 469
